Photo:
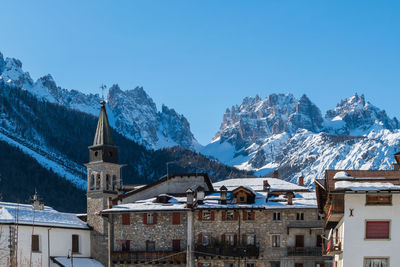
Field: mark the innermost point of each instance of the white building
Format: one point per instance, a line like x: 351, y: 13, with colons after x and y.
x: 37, y: 235
x: 362, y: 217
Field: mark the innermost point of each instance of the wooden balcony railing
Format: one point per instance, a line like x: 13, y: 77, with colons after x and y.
x: 249, y: 251
x: 304, y: 251
x: 335, y: 212
x: 149, y: 256
x: 332, y: 247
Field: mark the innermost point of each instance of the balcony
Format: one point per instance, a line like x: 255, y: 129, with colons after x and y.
x: 332, y: 248
x: 249, y: 251
x: 149, y: 256
x: 335, y: 213
x: 304, y: 251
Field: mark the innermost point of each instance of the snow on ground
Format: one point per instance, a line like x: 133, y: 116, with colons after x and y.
x: 47, y: 163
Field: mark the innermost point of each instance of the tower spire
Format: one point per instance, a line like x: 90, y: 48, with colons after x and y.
x: 103, y: 134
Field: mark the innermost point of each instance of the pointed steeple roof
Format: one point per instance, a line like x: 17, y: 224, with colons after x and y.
x: 103, y: 132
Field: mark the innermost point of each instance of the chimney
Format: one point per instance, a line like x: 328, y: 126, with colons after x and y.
x: 396, y: 167
x: 301, y: 180
x: 290, y: 196
x: 189, y: 198
x: 266, y: 186
x: 36, y: 201
x: 224, y: 194
x: 200, y: 195
x: 276, y: 174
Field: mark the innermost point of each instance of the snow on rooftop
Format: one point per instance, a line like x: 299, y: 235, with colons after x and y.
x: 46, y: 217
x: 371, y: 186
x: 304, y: 200
x: 342, y: 174
x: 77, y: 262
x: 150, y: 204
x: 257, y: 184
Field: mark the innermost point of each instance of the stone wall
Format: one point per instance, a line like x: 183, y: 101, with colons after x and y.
x: 162, y: 233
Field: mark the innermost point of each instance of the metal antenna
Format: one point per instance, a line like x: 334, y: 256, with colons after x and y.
x: 102, y: 87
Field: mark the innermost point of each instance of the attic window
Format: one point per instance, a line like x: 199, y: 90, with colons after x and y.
x: 379, y: 200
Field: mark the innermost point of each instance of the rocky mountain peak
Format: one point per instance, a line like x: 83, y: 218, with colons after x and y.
x: 12, y: 73
x: 356, y: 116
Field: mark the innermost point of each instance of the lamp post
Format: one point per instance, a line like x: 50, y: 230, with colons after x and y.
x: 71, y: 257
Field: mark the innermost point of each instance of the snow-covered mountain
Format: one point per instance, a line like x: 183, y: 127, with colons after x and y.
x: 289, y: 134
x: 132, y: 112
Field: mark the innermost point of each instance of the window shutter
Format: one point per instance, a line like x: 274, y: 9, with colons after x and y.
x: 235, y: 237
x: 244, y: 215
x: 377, y: 229
x: 224, y: 215
x: 244, y: 240
x: 176, y: 218
x: 212, y: 215
x: 200, y: 238
x: 223, y: 238
x: 154, y: 218
x: 200, y: 215
x: 126, y: 220
x: 145, y: 218
x: 253, y: 215
x: 235, y: 215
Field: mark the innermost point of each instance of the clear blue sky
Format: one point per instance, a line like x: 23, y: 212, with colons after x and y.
x: 201, y: 57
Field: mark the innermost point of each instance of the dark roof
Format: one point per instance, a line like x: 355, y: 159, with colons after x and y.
x: 250, y: 192
x: 164, y: 178
x: 103, y: 132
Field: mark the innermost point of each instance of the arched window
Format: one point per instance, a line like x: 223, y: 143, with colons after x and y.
x: 108, y: 182
x: 114, y: 182
x: 91, y: 182
x: 98, y: 181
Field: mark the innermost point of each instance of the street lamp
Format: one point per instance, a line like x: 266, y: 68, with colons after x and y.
x: 71, y: 257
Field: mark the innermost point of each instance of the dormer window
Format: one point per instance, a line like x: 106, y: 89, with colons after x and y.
x: 244, y: 195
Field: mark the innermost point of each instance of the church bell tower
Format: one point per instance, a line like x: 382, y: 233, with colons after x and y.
x: 103, y: 184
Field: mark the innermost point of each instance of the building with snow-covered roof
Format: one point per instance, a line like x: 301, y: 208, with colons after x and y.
x: 33, y: 235
x: 361, y: 215
x: 186, y: 220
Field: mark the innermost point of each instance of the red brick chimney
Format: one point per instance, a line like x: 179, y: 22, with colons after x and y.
x: 290, y: 196
x: 276, y: 174
x: 301, y: 180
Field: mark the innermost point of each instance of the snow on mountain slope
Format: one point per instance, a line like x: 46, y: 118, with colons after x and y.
x: 281, y: 132
x: 133, y: 112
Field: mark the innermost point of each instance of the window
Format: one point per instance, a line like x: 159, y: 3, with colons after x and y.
x: 251, y: 239
x: 299, y: 241
x: 277, y: 216
x: 230, y: 216
x: 229, y: 264
x: 377, y: 230
x: 205, y: 264
x: 35, y: 243
x: 75, y: 243
x: 275, y: 264
x: 276, y: 241
x: 207, y: 215
x: 108, y: 182
x: 298, y: 265
x: 114, y: 182
x: 176, y: 218
x: 206, y: 240
x: 176, y: 245
x: 319, y: 242
x: 241, y: 199
x: 98, y: 181
x: 126, y: 245
x: 379, y: 200
x: 248, y: 215
x: 150, y: 218
x: 250, y: 265
x: 126, y: 219
x: 230, y: 239
x: 376, y: 262
x: 300, y: 216
x: 319, y: 265
x: 150, y: 246
x: 92, y: 182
